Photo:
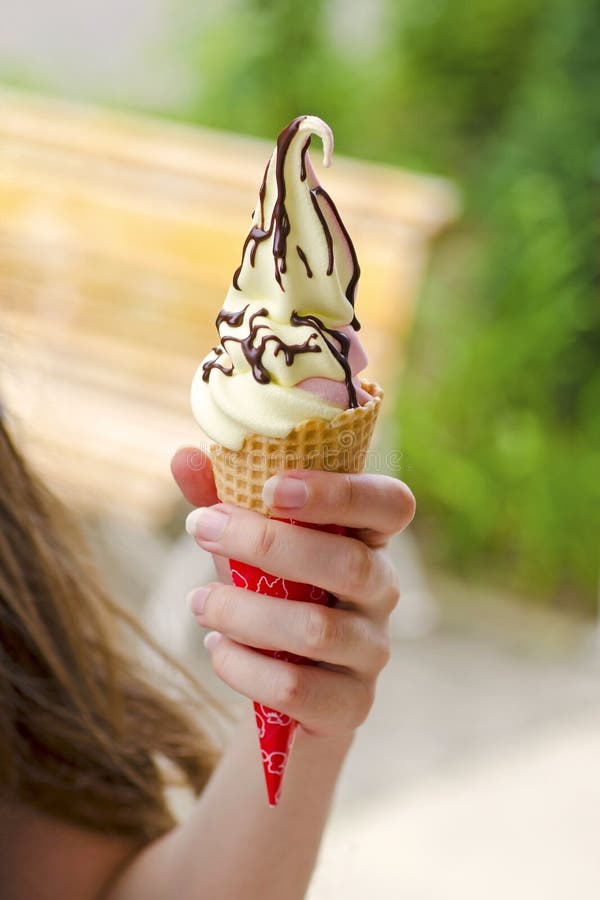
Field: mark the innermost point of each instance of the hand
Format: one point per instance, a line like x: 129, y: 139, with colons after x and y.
x: 349, y: 641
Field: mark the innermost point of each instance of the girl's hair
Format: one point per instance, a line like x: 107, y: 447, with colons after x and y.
x: 84, y: 736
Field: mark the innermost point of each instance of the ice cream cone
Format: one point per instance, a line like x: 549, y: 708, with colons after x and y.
x: 287, y: 363
x: 339, y: 445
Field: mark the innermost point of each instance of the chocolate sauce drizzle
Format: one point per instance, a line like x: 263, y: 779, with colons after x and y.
x: 279, y: 226
x: 234, y: 319
x: 211, y: 364
x: 341, y: 354
x: 350, y: 292
x: 302, y: 256
x: 303, y: 159
x: 254, y: 352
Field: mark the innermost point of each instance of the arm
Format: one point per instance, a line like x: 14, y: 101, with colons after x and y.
x: 233, y: 845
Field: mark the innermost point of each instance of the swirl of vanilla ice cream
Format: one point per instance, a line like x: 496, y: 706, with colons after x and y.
x: 288, y: 349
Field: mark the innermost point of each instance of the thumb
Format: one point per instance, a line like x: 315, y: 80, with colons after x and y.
x: 192, y: 472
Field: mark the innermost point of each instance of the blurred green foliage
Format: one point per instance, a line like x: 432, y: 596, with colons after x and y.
x: 500, y: 403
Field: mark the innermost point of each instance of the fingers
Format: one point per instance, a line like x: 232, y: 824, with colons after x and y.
x: 375, y: 502
x: 344, y: 566
x: 336, y: 637
x: 192, y: 471
x: 323, y: 701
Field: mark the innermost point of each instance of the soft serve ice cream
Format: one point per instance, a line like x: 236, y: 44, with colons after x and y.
x: 288, y: 348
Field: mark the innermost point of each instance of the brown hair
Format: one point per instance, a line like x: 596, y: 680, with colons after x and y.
x: 84, y: 736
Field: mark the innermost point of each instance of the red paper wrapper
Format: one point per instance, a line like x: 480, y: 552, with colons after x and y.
x: 275, y: 730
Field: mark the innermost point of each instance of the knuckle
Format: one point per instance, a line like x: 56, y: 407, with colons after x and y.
x: 362, y: 706
x: 383, y: 651
x: 289, y: 689
x: 388, y: 581
x: 217, y: 609
x: 357, y: 567
x: 393, y: 583
x: 320, y: 629
x: 265, y: 538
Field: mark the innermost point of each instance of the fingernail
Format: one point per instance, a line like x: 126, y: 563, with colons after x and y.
x: 196, y: 600
x: 206, y: 523
x: 283, y: 491
x: 211, y: 640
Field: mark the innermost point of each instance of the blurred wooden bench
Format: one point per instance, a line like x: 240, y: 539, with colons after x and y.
x: 118, y: 239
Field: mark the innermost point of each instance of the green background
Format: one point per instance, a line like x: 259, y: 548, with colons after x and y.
x: 498, y: 411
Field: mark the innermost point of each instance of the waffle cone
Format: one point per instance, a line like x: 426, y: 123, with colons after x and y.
x: 338, y: 445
